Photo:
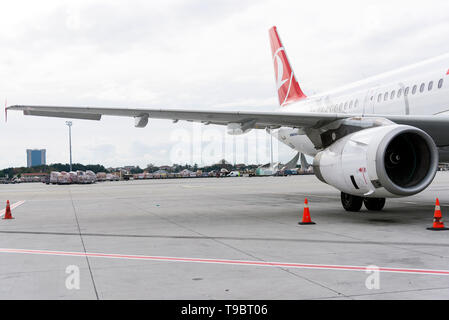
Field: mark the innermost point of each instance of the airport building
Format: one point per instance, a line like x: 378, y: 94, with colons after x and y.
x: 36, y: 157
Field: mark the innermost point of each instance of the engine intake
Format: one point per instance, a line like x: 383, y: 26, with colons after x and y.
x: 407, y: 161
x: 388, y: 161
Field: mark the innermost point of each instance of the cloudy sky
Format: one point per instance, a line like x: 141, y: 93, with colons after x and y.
x: 193, y: 54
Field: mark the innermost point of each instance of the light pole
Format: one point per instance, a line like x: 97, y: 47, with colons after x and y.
x: 271, y: 147
x: 69, y: 124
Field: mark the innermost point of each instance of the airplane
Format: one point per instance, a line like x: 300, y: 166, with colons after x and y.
x: 382, y: 137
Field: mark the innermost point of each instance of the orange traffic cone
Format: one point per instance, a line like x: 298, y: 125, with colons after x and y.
x: 438, y: 224
x: 306, y: 215
x: 8, y: 214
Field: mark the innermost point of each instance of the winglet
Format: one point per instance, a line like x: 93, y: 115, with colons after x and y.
x: 288, y: 88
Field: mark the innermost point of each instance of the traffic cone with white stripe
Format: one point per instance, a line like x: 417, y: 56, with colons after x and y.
x: 438, y: 224
x: 306, y: 215
x: 8, y: 214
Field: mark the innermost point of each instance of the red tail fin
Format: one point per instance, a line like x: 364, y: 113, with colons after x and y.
x: 287, y: 86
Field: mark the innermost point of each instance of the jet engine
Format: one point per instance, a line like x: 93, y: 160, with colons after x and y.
x: 379, y: 162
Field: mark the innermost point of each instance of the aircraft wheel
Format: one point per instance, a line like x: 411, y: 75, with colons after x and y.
x: 374, y: 204
x: 350, y: 202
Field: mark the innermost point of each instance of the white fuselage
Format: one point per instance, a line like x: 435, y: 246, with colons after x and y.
x: 421, y: 89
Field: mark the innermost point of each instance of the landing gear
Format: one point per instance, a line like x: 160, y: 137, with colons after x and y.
x: 354, y: 203
x: 374, y: 204
x: 350, y: 202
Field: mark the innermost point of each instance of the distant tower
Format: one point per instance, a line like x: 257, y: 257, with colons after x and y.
x: 36, y: 157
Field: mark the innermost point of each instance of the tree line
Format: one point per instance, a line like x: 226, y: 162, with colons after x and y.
x: 11, y: 172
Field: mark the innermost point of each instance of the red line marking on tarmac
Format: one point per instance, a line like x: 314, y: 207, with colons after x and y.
x: 13, y: 206
x: 230, y: 262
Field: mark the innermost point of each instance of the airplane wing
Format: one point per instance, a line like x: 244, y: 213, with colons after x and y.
x: 436, y: 126
x: 258, y: 119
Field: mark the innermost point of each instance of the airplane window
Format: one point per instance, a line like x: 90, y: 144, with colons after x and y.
x: 350, y: 104
x: 386, y: 96
x: 415, y: 87
x: 372, y: 97
x: 341, y: 105
x: 399, y: 93
x: 440, y: 84
x: 407, y: 90
x: 356, y: 104
x: 423, y: 86
x: 379, y: 97
x: 393, y: 93
x: 430, y: 85
x: 346, y: 105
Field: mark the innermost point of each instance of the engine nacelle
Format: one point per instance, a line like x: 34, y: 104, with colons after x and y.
x: 380, y: 162
x: 141, y: 121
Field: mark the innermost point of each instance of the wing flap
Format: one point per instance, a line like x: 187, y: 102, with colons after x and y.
x: 72, y: 115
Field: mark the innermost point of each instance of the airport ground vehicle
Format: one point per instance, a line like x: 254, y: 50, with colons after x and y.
x: 89, y: 177
x: 113, y: 177
x: 64, y: 178
x: 54, y: 177
x: 86, y: 177
x: 46, y: 180
x: 73, y: 177
x: 101, y: 176
x: 379, y: 138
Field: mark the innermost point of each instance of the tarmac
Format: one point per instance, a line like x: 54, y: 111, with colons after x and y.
x: 218, y: 238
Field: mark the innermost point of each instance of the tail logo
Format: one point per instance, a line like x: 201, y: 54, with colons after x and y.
x: 280, y: 69
x: 288, y: 88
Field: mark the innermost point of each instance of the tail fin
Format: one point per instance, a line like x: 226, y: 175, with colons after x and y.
x: 287, y: 86
x: 304, y: 164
